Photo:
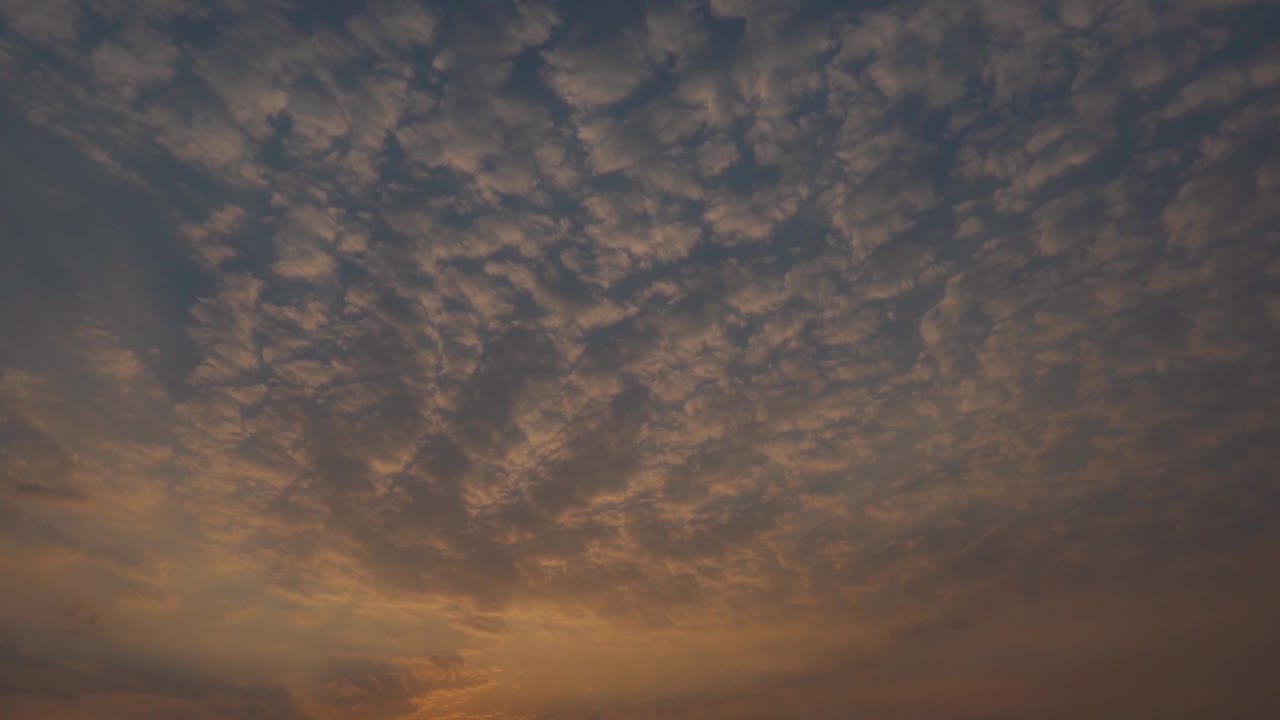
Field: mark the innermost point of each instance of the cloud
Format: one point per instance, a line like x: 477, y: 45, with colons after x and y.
x: 380, y: 689
x: 35, y: 468
x: 138, y: 61
x: 698, y: 359
x: 600, y: 74
x: 52, y: 24
x: 36, y: 685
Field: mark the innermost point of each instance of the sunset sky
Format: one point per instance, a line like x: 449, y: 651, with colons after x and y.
x: 624, y: 360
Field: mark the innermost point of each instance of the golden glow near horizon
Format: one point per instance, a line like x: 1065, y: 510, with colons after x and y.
x: 726, y: 360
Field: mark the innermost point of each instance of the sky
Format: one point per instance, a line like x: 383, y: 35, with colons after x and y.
x: 622, y: 360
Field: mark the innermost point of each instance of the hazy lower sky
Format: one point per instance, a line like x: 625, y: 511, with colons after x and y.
x: 715, y: 360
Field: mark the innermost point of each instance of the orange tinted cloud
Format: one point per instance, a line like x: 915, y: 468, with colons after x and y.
x: 399, y: 360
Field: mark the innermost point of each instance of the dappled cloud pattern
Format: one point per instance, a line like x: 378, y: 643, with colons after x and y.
x: 729, y: 359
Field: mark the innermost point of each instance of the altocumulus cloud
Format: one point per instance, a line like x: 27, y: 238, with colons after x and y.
x: 723, y: 359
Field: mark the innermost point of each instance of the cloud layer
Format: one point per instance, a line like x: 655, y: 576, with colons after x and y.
x: 713, y: 359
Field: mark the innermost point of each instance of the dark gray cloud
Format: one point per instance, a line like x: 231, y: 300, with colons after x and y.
x: 83, y: 687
